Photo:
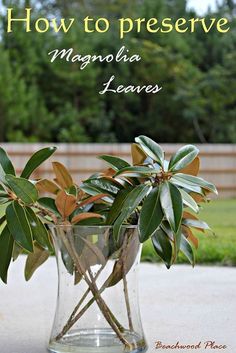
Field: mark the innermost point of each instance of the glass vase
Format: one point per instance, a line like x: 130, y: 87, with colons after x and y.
x: 97, y: 304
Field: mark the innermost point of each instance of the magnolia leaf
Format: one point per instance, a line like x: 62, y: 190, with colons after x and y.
x: 115, y: 162
x: 187, y: 250
x: 65, y: 203
x: 35, y: 260
x: 151, y: 215
x: 63, y: 177
x: 17, y: 251
x: 100, y: 259
x: 137, y: 171
x: 174, y: 237
x: 117, y: 205
x: 67, y: 260
x: 6, y: 163
x: 151, y: 148
x: 4, y: 198
x: 85, y: 215
x: 186, y: 185
x: 39, y: 232
x: 77, y: 277
x: 108, y: 172
x: 19, y: 226
x: 94, y: 191
x: 189, y: 201
x: 196, y: 181
x: 138, y: 156
x: 6, y: 248
x: 130, y: 204
x: 23, y: 189
x: 36, y: 160
x: 49, y: 204
x: 73, y: 190
x: 105, y: 185
x: 183, y: 157
x: 163, y: 247
x: 189, y: 235
x: 199, y: 225
x: 189, y: 216
x: 192, y: 168
x: 125, y: 262
x: 197, y: 197
x: 91, y: 200
x: 45, y: 185
x: 172, y: 205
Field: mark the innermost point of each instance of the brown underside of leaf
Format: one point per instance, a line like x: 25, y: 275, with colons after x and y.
x: 86, y: 215
x: 125, y: 262
x: 108, y: 172
x: 138, y: 156
x: 92, y: 200
x: 63, y: 177
x: 45, y: 185
x: 188, y: 215
x: 65, y: 203
x: 193, y: 168
x: 197, y: 197
x: 190, y: 236
x: 35, y: 260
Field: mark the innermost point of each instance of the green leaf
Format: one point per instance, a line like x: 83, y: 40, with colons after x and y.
x: 94, y: 191
x: 35, y: 260
x: 67, y: 260
x: 115, y: 162
x: 172, y: 205
x: 39, y: 231
x: 2, y: 219
x: 196, y: 181
x: 151, y: 148
x: 162, y: 246
x: 6, y: 248
x: 107, y: 186
x: 186, y: 185
x: 49, y: 204
x: 2, y: 175
x: 187, y: 250
x: 117, y: 205
x: 174, y: 237
x: 23, y: 189
x: 125, y: 261
x: 36, y: 160
x: 194, y: 223
x: 135, y: 171
x: 189, y: 201
x: 183, y: 157
x: 130, y: 204
x: 18, y: 225
x: 151, y: 215
x: 3, y: 198
x: 93, y: 251
x: 17, y: 251
x: 6, y: 163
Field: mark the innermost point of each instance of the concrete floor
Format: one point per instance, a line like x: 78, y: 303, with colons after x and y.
x: 183, y: 304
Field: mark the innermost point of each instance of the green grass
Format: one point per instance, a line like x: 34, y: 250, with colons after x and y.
x: 219, y: 249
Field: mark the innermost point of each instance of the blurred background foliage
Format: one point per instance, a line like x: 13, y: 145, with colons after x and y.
x: 41, y: 101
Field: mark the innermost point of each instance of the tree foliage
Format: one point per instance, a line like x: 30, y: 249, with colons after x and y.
x: 196, y: 70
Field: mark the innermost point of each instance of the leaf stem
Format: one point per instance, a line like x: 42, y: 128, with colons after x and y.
x: 95, y: 291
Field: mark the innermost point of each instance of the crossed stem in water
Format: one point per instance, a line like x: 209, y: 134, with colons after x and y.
x: 91, y: 282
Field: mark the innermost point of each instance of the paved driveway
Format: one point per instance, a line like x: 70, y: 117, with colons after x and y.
x: 183, y: 304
